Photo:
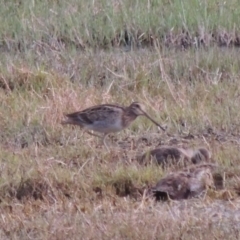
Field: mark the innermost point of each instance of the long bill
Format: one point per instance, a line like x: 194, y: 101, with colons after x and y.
x: 154, y: 121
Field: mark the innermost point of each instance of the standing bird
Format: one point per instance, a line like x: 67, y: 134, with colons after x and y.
x: 107, y: 118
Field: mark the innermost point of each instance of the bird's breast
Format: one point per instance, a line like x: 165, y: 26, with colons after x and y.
x: 104, y: 126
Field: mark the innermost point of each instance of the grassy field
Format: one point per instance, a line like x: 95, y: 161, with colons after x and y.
x: 179, y: 58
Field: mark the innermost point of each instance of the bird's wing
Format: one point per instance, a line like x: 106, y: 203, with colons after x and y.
x: 96, y: 113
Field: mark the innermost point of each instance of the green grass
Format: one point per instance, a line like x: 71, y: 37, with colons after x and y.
x: 56, y: 24
x: 61, y: 56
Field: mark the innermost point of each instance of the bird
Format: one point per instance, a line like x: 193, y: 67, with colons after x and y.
x: 167, y: 155
x: 107, y: 118
x: 185, y: 184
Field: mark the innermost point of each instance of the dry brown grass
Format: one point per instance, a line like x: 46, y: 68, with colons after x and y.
x: 58, y: 183
x: 57, y: 57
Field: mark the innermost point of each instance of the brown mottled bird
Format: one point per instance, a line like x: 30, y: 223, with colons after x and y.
x: 107, y: 118
x: 185, y: 184
x: 167, y: 155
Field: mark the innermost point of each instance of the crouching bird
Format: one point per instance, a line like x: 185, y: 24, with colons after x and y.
x: 169, y: 155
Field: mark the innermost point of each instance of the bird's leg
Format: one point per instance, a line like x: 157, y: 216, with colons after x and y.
x: 103, y: 138
x: 104, y: 141
x: 93, y: 134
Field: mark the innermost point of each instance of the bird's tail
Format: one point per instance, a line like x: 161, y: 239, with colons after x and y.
x: 67, y: 120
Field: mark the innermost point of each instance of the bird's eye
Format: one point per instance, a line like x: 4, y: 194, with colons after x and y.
x: 137, y: 105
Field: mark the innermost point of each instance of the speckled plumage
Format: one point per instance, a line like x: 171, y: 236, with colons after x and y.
x: 185, y: 184
x: 107, y: 118
x: 168, y: 155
